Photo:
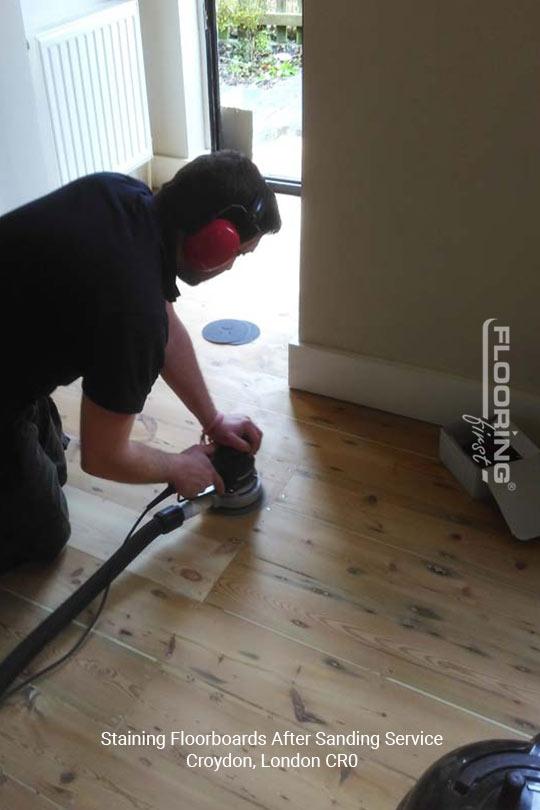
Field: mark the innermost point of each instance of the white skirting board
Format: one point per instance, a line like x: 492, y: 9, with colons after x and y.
x: 419, y: 393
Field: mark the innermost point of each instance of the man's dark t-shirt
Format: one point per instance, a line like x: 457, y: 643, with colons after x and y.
x: 84, y: 277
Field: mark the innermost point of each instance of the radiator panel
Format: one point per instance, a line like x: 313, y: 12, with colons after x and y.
x: 93, y: 74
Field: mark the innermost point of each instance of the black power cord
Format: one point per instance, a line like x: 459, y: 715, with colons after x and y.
x: 169, y: 490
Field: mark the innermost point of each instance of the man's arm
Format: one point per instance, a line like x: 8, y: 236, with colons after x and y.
x: 108, y: 452
x: 181, y: 371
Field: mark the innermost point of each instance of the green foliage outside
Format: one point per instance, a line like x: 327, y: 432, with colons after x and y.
x: 249, y: 51
x: 244, y: 15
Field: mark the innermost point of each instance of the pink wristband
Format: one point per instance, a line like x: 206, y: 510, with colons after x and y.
x: 216, y: 421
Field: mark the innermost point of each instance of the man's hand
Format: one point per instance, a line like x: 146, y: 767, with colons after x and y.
x: 108, y: 452
x: 192, y: 471
x: 235, y: 431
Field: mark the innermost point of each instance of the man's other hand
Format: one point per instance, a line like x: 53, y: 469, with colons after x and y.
x: 235, y: 431
x: 193, y: 471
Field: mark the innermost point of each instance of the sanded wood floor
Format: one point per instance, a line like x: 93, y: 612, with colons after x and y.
x: 369, y: 593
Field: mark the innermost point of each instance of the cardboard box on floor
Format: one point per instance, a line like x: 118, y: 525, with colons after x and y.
x: 519, y: 499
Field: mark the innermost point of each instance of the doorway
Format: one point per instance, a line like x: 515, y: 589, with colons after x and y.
x: 255, y: 50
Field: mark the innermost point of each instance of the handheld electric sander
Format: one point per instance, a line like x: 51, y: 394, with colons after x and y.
x: 488, y: 775
x: 243, y: 493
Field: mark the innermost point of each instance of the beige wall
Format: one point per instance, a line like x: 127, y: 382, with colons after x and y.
x: 421, y: 212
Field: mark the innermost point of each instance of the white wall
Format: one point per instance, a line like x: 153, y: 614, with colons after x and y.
x: 160, y: 28
x: 22, y: 167
x: 174, y: 57
x: 176, y: 82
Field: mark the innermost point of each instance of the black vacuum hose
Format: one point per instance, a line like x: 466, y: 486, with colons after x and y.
x: 235, y: 468
x: 164, y: 521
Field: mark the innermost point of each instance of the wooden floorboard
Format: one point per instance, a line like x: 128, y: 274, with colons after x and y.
x: 220, y: 673
x: 368, y: 593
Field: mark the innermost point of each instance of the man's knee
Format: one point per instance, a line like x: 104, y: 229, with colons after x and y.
x: 41, y: 544
x: 35, y: 529
x: 34, y: 506
x: 48, y: 542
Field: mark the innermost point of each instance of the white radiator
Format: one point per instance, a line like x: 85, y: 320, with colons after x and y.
x: 93, y: 73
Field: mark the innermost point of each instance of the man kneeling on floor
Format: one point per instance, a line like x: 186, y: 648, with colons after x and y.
x: 87, y: 285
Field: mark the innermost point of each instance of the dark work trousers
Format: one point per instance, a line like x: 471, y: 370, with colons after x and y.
x: 34, y: 521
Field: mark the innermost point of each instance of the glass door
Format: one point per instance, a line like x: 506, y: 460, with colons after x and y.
x: 255, y: 70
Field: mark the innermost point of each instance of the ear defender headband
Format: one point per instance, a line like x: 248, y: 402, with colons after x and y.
x: 218, y: 242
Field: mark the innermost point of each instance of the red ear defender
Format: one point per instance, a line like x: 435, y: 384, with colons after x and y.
x: 212, y: 245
